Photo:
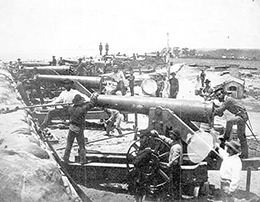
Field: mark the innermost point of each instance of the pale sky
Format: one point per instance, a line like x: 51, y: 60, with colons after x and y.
x: 38, y: 29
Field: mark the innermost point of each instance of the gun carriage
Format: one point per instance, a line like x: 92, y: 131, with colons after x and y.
x: 163, y: 114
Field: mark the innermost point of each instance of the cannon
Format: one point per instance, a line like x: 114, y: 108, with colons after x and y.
x: 51, y: 69
x: 88, y: 81
x: 35, y: 64
x: 70, y: 61
x: 163, y: 114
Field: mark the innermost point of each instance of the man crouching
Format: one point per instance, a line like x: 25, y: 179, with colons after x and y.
x: 77, y: 125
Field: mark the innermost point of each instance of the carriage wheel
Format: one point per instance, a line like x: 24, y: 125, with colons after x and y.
x: 156, y: 173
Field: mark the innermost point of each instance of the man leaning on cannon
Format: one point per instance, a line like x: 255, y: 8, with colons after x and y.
x: 77, y: 125
x: 240, y: 118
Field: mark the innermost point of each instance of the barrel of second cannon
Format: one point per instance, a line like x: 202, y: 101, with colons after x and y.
x: 44, y: 69
x: 192, y: 110
x: 89, y: 81
x: 35, y: 64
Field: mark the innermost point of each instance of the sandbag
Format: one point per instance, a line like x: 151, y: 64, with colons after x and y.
x: 27, y: 179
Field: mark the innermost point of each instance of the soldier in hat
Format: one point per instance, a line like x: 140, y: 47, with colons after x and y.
x: 240, y: 118
x: 65, y: 96
x: 207, y: 91
x: 230, y: 169
x: 77, y: 125
x: 174, y: 85
x: 173, y: 138
x: 19, y: 64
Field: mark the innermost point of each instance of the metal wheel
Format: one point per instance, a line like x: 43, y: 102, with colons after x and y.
x: 155, y: 171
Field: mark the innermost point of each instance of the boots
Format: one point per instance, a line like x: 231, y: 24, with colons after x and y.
x: 82, y: 156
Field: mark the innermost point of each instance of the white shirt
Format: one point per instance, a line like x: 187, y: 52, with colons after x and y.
x: 119, y: 76
x: 68, y: 96
x: 230, y: 169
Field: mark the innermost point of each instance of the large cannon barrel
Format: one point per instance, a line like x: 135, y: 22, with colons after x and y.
x: 192, y: 110
x: 70, y: 61
x: 44, y: 69
x: 35, y: 64
x: 90, y: 81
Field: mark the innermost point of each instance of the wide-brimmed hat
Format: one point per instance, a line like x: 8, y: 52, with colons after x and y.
x: 221, y: 89
x: 207, y: 81
x: 67, y: 81
x: 78, y: 100
x: 173, y: 73
x: 234, y: 145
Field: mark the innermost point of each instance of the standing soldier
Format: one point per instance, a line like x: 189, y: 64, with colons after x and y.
x: 174, y: 85
x: 107, y: 48
x: 160, y: 85
x: 77, y: 125
x: 100, y: 48
x: 54, y: 61
x: 202, y: 77
x: 240, y: 118
x: 131, y: 80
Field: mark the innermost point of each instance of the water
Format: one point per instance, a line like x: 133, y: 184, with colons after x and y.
x: 219, y: 62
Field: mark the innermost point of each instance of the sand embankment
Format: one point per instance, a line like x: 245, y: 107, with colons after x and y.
x: 28, y: 173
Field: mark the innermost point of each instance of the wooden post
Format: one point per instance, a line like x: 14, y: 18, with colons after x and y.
x: 248, y: 179
x: 136, y: 126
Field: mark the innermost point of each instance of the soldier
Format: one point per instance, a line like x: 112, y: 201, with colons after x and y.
x: 65, y: 96
x: 202, y: 77
x: 207, y: 91
x: 175, y: 158
x: 240, y: 119
x: 81, y: 68
x: 114, y: 121
x: 21, y: 87
x: 100, y: 48
x: 174, y: 85
x: 119, y: 77
x: 131, y: 80
x: 107, y: 48
x: 61, y: 62
x: 230, y: 169
x: 54, y: 61
x: 160, y: 85
x: 19, y: 64
x: 77, y: 125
